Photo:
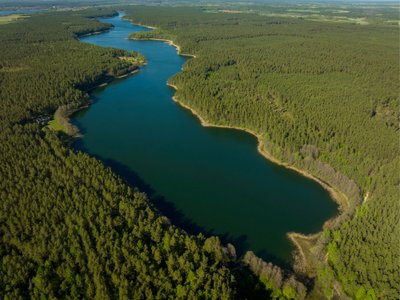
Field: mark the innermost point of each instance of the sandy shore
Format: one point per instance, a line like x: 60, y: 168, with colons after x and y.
x: 103, y: 84
x: 129, y: 74
x: 139, y: 24
x: 169, y: 42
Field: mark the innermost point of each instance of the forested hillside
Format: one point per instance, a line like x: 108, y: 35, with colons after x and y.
x: 324, y: 97
x: 70, y: 228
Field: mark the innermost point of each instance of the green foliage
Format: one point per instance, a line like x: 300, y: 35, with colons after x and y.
x: 362, y: 294
x: 289, y: 293
x: 325, y: 281
x: 324, y: 96
x: 153, y: 34
x: 274, y: 279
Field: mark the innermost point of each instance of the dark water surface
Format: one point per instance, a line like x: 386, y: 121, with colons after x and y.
x: 205, y: 179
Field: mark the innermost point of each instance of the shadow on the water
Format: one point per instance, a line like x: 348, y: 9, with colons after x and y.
x: 168, y: 209
x: 74, y: 118
x: 275, y: 260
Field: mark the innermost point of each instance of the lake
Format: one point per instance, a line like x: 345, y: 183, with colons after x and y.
x: 209, y: 180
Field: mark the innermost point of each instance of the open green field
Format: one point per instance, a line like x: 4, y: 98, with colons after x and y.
x: 385, y: 13
x: 11, y: 18
x: 54, y: 125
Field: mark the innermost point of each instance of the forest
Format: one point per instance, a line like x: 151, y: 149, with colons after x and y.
x: 70, y: 227
x: 324, y: 96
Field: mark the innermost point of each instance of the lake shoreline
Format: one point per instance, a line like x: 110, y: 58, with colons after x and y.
x: 84, y: 35
x: 337, y: 196
x: 295, y: 237
x: 169, y: 42
x: 68, y: 114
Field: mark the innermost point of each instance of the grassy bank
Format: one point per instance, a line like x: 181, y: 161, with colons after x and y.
x: 12, y: 18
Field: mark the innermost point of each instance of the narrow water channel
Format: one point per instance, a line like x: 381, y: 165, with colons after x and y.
x: 209, y: 180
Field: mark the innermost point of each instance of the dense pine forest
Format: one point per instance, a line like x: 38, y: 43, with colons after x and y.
x: 324, y: 97
x: 68, y: 226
